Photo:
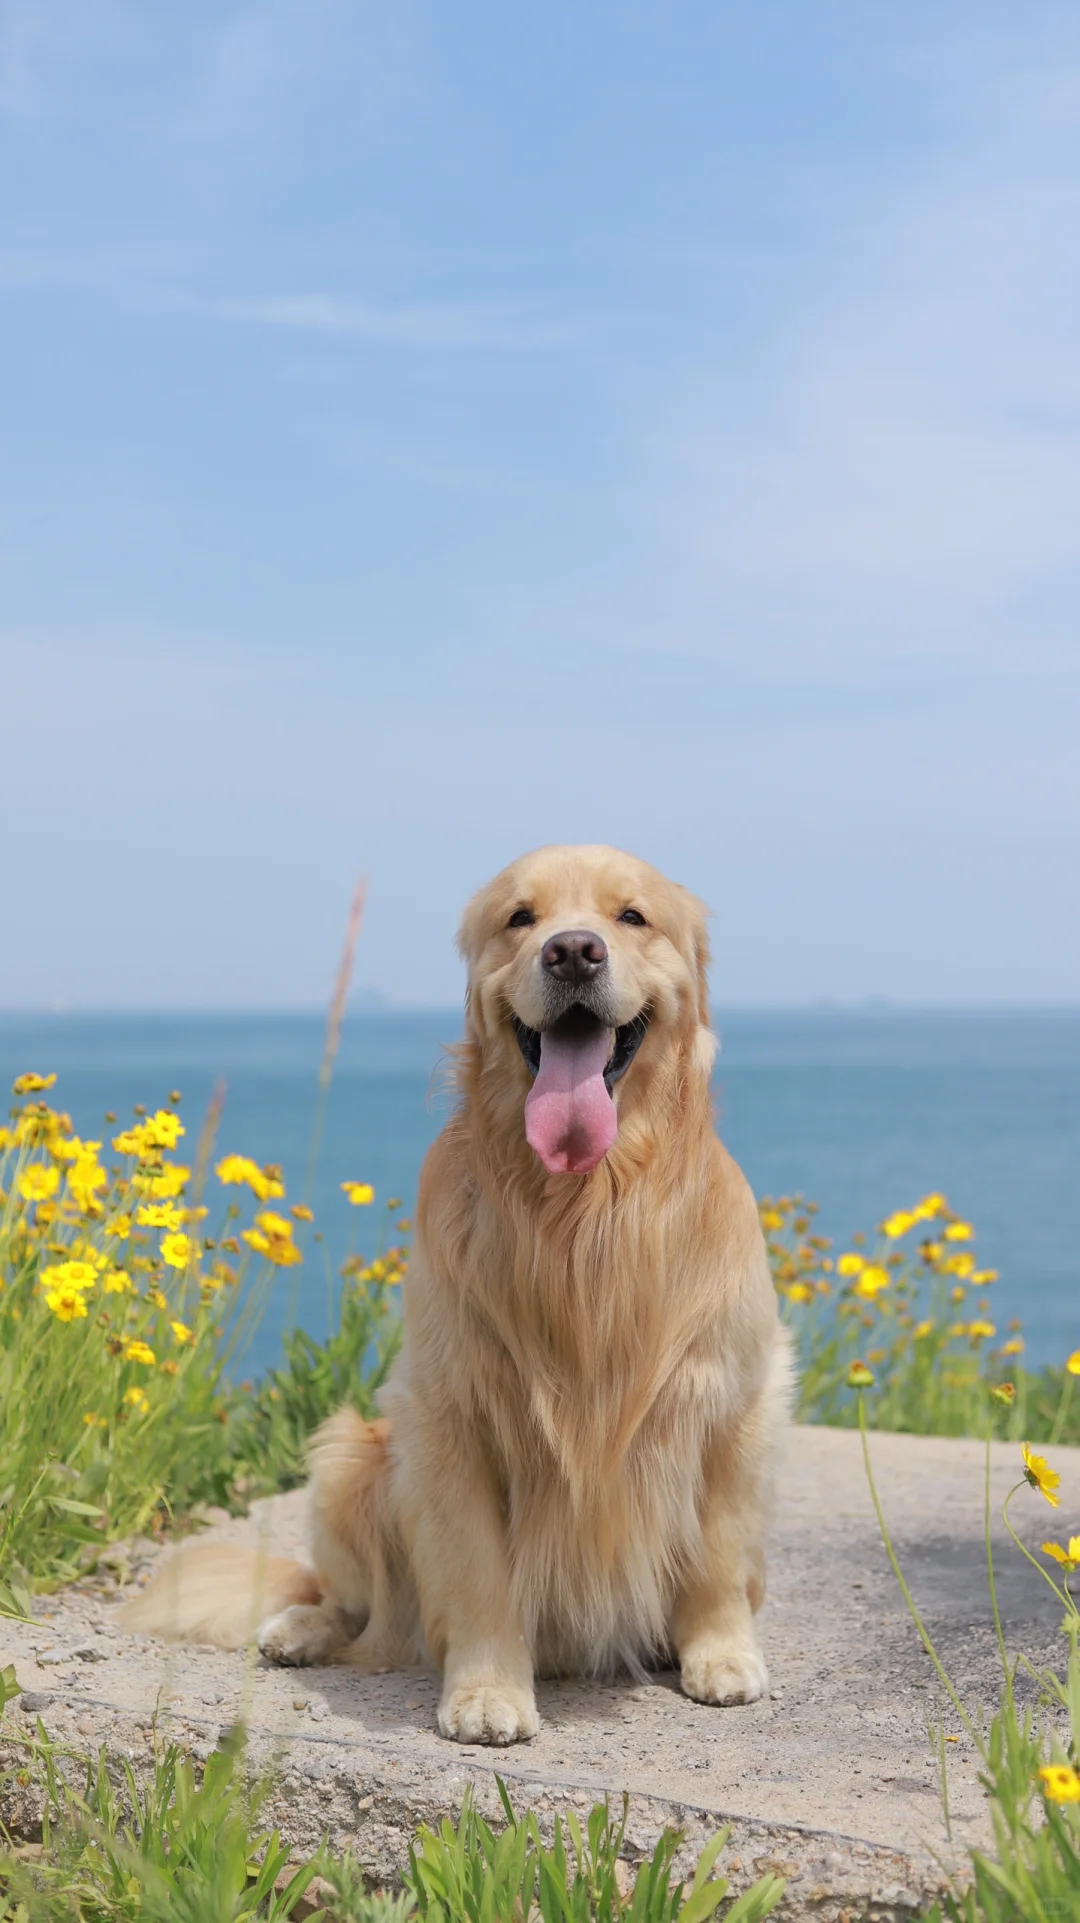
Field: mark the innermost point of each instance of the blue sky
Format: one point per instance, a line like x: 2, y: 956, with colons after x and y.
x: 429, y: 431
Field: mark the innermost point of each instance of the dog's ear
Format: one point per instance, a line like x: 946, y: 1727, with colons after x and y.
x: 705, y: 1042
x: 470, y: 938
x: 697, y: 917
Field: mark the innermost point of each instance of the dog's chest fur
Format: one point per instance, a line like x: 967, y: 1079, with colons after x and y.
x: 594, y: 1569
x: 599, y: 1453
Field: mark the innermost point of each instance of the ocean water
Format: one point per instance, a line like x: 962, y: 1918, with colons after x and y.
x: 862, y: 1111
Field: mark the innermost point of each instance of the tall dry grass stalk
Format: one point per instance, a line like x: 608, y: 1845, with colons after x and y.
x: 335, y: 1017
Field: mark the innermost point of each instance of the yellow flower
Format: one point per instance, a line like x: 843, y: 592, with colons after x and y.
x: 164, y: 1129
x: 36, y: 1183
x: 273, y: 1224
x: 265, y: 1184
x: 980, y: 1330
x: 181, y: 1332
x: 982, y: 1278
x: 1073, y: 1364
x: 272, y: 1236
x: 137, y: 1351
x: 120, y: 1227
x: 1068, y: 1558
x: 116, y: 1282
x: 770, y: 1219
x: 359, y: 1193
x: 177, y: 1250
x: 157, y: 1298
x: 162, y: 1183
x: 859, y: 1376
x: 921, y: 1329
x: 959, y: 1232
x: 1060, y: 1782
x: 1040, y: 1475
x: 795, y: 1292
x: 160, y: 1215
x: 66, y: 1303
x: 284, y: 1254
x: 898, y: 1224
x: 930, y: 1206
x: 302, y: 1212
x: 851, y: 1264
x: 962, y: 1264
x: 1014, y: 1346
x: 1004, y: 1392
x: 138, y: 1399
x: 86, y: 1177
x: 31, y: 1084
x: 871, y: 1282
x: 147, y: 1139
x: 234, y: 1169
x: 69, y: 1275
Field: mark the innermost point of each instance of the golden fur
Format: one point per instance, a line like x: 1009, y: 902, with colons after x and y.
x: 573, y: 1470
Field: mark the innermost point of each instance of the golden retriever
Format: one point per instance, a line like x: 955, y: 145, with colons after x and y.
x: 572, y: 1472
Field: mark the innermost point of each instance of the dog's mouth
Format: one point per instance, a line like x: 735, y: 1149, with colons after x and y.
x: 570, y: 1118
x: 579, y: 1024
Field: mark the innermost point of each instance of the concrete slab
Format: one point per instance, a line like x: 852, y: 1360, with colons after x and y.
x: 833, y: 1780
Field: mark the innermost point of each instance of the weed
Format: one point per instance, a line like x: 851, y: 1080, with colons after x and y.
x: 115, y: 1850
x: 1030, y: 1759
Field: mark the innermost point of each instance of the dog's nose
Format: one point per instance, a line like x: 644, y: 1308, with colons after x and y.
x: 574, y: 956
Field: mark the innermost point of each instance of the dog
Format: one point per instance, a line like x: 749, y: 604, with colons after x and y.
x: 573, y: 1467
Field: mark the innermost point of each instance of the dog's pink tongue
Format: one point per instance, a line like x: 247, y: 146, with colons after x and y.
x: 570, y: 1118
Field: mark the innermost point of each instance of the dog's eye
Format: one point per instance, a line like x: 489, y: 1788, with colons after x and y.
x: 635, y: 918
x: 521, y: 918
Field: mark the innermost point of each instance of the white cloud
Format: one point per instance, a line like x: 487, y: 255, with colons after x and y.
x: 494, y: 324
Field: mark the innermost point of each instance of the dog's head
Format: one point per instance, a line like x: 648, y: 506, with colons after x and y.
x: 586, y: 972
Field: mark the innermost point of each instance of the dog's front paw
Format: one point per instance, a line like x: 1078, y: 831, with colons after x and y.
x: 305, y: 1633
x: 725, y: 1669
x: 488, y: 1713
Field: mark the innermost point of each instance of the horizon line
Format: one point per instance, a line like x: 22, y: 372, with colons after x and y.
x: 818, y: 1005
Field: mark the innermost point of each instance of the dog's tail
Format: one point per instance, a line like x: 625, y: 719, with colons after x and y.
x: 219, y: 1593
x: 222, y: 1592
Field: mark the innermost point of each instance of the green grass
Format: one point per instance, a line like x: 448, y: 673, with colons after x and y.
x: 1030, y: 1757
x: 131, y: 1284
x: 185, y: 1847
x: 912, y: 1301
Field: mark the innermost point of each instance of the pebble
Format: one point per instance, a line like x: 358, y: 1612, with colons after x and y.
x: 86, y: 1652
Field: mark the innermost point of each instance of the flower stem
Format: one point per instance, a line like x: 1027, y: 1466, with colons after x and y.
x: 1062, y: 1595
x: 1062, y: 1409
x: 913, y: 1612
x: 991, y: 1580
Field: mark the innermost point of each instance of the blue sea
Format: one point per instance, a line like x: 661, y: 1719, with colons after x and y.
x: 861, y: 1110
